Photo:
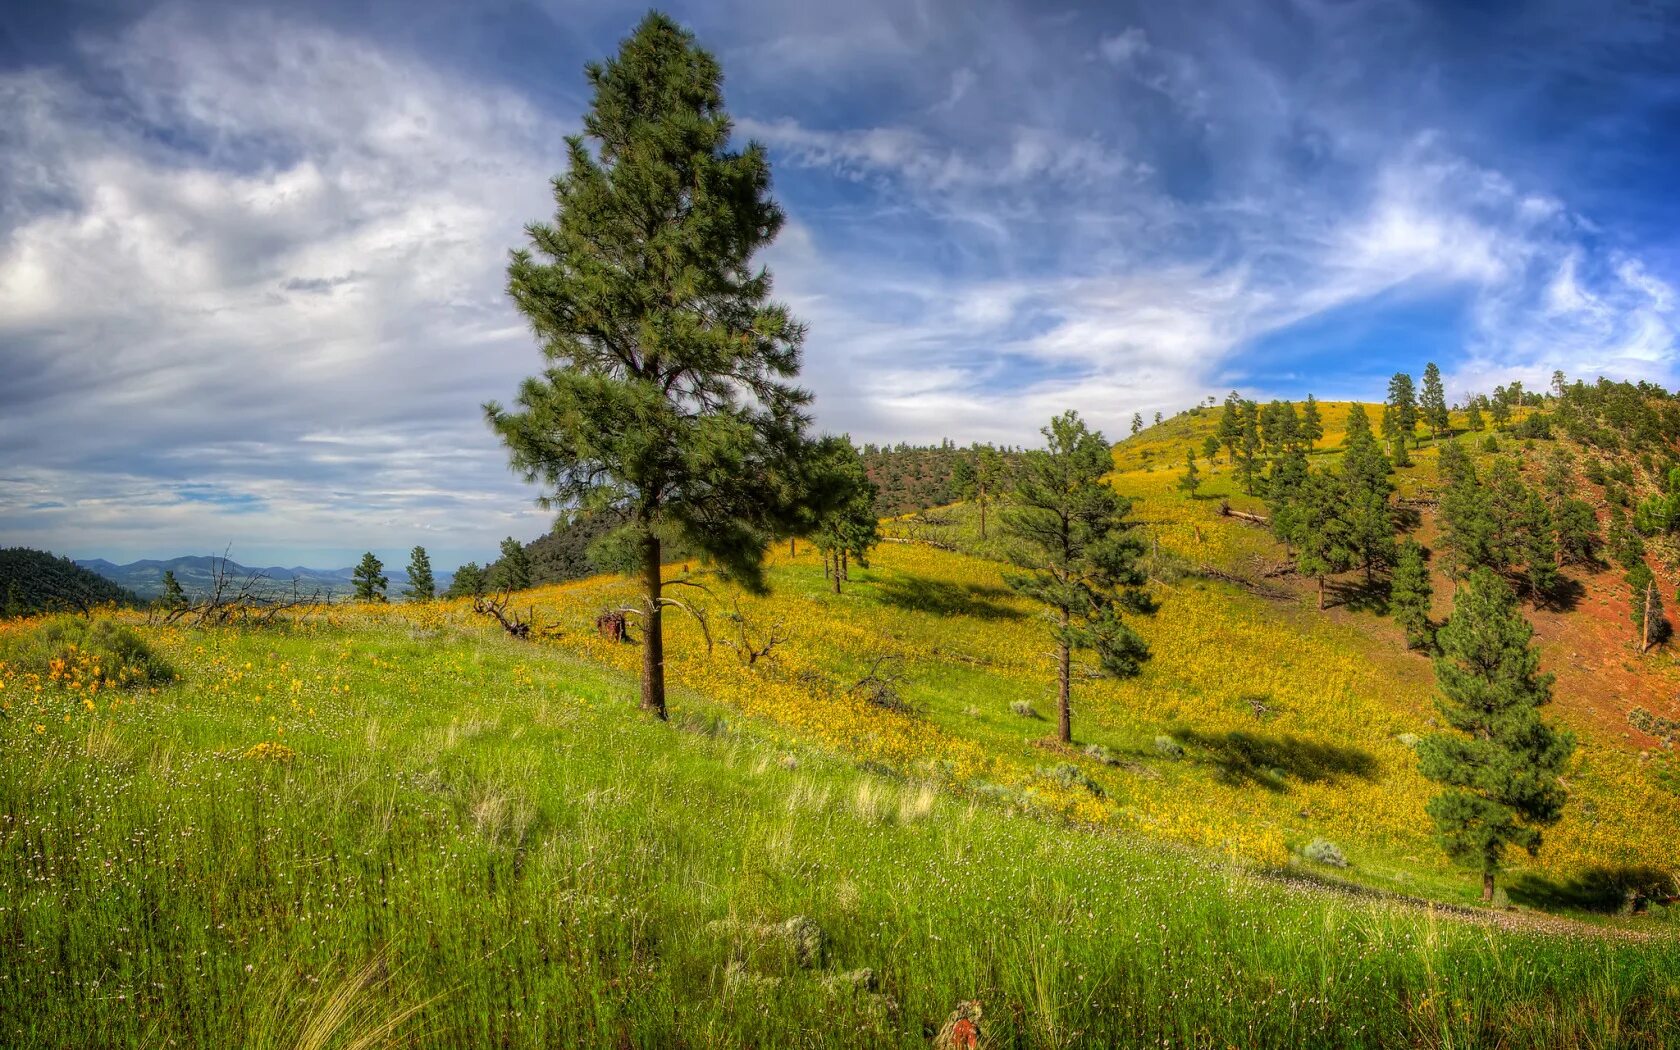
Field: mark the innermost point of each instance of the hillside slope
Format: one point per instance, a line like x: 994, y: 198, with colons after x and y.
x: 389, y: 828
x: 33, y: 581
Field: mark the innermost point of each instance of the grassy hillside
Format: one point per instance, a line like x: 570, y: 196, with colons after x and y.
x: 392, y: 829
x: 394, y: 816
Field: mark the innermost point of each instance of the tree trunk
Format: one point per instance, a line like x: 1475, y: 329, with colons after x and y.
x: 845, y: 566
x: 1064, y: 677
x: 982, y: 513
x: 835, y: 575
x: 1645, y: 620
x: 1321, y: 594
x: 1487, y: 885
x: 792, y: 550
x: 653, y: 642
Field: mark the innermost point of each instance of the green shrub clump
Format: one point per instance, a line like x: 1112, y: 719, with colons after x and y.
x: 68, y: 644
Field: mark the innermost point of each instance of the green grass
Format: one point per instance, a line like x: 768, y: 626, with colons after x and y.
x: 481, y: 843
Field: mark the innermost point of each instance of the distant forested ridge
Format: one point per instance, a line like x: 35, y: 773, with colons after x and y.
x: 915, y: 477
x: 33, y: 581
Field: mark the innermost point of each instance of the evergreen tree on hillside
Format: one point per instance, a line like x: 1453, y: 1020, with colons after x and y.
x: 1540, y: 549
x: 1210, y: 448
x: 1247, y: 457
x: 1500, y: 766
x: 1137, y: 423
x: 369, y: 579
x: 1072, y: 536
x: 1466, y: 517
x: 1358, y: 424
x: 1409, y: 594
x: 1577, y: 532
x: 1367, y: 514
x: 1312, y: 427
x: 667, y: 391
x: 1319, y: 529
x: 1230, y: 425
x: 421, y: 587
x: 173, y: 597
x: 1473, y: 414
x: 847, y: 528
x: 1500, y: 408
x: 470, y: 581
x: 1400, y: 415
x: 512, y: 571
x: 1191, y: 479
x: 990, y: 475
x: 1433, y: 402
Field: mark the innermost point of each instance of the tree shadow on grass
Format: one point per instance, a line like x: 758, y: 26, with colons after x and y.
x: 1612, y: 889
x: 1565, y: 596
x: 1358, y: 594
x: 943, y: 598
x: 1272, y: 761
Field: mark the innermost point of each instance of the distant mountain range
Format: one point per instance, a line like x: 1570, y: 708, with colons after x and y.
x: 196, y: 574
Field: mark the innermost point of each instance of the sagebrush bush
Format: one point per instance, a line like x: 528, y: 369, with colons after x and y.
x: 1070, y: 776
x: 74, y: 645
x: 1323, y: 851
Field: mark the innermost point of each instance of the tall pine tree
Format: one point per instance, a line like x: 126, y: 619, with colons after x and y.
x: 1500, y: 766
x: 1409, y: 594
x: 368, y: 577
x: 667, y: 394
x: 1433, y: 402
x: 421, y: 587
x: 1072, y: 537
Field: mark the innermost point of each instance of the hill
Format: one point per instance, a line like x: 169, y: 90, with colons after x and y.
x: 196, y: 574
x: 34, y: 581
x: 392, y: 827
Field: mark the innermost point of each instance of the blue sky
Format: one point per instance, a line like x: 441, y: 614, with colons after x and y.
x: 251, y: 256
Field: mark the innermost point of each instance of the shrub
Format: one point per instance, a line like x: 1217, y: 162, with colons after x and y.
x: 74, y: 647
x: 1024, y: 709
x: 1166, y: 745
x: 1071, y: 776
x: 1323, y: 851
x: 1101, y: 754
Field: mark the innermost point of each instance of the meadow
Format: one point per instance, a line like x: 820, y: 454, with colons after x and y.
x: 393, y: 825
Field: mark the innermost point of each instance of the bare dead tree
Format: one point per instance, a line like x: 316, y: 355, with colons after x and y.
x: 880, y: 684
x: 252, y: 600
x: 748, y: 650
x: 522, y: 627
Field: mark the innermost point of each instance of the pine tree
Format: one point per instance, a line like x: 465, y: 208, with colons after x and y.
x: 1409, y: 594
x: 1230, y: 425
x: 1137, y: 423
x: 1210, y: 449
x: 1358, y: 424
x: 1473, y: 413
x: 1367, y: 514
x: 1400, y: 412
x: 1319, y: 529
x: 421, y: 587
x: 1071, y: 536
x: 1540, y: 551
x: 1312, y: 427
x: 173, y: 596
x: 1191, y: 479
x: 1247, y: 456
x: 1500, y: 408
x: 1434, y: 401
x: 1466, y: 518
x: 1500, y: 768
x: 847, y: 525
x: 369, y: 579
x: 470, y: 581
x: 990, y: 474
x: 512, y: 571
x: 1577, y: 532
x: 666, y: 395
